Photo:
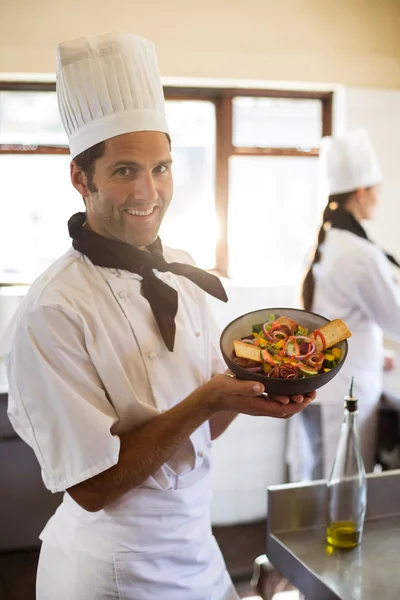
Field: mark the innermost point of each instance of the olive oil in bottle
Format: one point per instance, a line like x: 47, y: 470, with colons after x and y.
x: 347, y: 485
x: 343, y: 534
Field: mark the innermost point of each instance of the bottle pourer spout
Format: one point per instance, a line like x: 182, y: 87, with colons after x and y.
x: 350, y: 400
x: 351, y: 387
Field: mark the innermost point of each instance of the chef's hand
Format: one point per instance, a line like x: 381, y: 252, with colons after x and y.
x: 226, y: 393
x: 388, y: 364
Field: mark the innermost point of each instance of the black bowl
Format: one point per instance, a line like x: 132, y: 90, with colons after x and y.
x: 242, y: 326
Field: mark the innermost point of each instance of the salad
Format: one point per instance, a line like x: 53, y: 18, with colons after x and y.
x: 282, y: 348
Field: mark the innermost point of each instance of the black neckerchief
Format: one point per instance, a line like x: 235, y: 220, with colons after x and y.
x: 343, y: 219
x: 163, y: 299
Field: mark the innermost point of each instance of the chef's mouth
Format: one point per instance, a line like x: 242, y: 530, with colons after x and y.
x: 141, y: 212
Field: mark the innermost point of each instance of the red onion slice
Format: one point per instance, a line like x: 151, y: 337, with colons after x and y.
x: 279, y: 335
x: 266, y: 332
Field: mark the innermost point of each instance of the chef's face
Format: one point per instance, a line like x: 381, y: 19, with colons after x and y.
x: 368, y: 199
x: 131, y: 187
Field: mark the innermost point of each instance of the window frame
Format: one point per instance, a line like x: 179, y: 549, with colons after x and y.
x: 222, y: 98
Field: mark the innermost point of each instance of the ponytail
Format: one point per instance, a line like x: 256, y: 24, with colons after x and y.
x: 335, y: 201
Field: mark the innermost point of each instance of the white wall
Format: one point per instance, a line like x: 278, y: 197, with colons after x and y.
x: 379, y: 112
x: 355, y: 42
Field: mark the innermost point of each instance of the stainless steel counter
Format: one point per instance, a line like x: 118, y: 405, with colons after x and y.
x: 297, y: 548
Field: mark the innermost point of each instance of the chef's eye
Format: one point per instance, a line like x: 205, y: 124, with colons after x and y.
x: 161, y: 169
x: 123, y: 171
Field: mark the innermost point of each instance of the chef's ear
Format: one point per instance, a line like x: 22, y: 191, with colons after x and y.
x: 79, y: 180
x: 360, y: 196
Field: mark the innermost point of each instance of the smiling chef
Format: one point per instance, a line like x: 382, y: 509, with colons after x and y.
x: 115, y: 376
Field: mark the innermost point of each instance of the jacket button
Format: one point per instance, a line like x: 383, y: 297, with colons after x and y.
x: 197, y: 333
x: 152, y: 355
x: 123, y: 295
x: 200, y: 453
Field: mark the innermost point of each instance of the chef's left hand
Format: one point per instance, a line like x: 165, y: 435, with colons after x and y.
x: 298, y: 399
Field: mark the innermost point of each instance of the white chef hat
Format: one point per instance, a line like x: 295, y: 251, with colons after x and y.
x: 349, y: 162
x: 108, y: 85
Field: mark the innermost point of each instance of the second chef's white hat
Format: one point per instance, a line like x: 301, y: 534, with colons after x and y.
x: 350, y: 162
x: 108, y: 85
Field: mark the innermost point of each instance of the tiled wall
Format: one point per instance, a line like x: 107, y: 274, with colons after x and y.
x: 249, y: 456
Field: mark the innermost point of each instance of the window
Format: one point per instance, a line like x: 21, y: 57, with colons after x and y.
x: 272, y: 217
x: 245, y: 171
x: 190, y: 222
x: 36, y: 203
x: 30, y: 118
x: 276, y: 122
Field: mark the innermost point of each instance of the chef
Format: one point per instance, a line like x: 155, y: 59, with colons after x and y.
x: 349, y: 278
x: 115, y: 376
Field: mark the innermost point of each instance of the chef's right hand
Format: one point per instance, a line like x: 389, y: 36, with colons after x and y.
x: 388, y: 364
x: 226, y: 393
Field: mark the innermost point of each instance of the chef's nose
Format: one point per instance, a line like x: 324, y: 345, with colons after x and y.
x: 144, y: 187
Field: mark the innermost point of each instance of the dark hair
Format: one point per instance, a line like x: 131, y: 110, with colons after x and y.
x: 335, y: 201
x: 86, y: 161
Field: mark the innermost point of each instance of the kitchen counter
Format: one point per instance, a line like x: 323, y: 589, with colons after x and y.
x: 297, y: 548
